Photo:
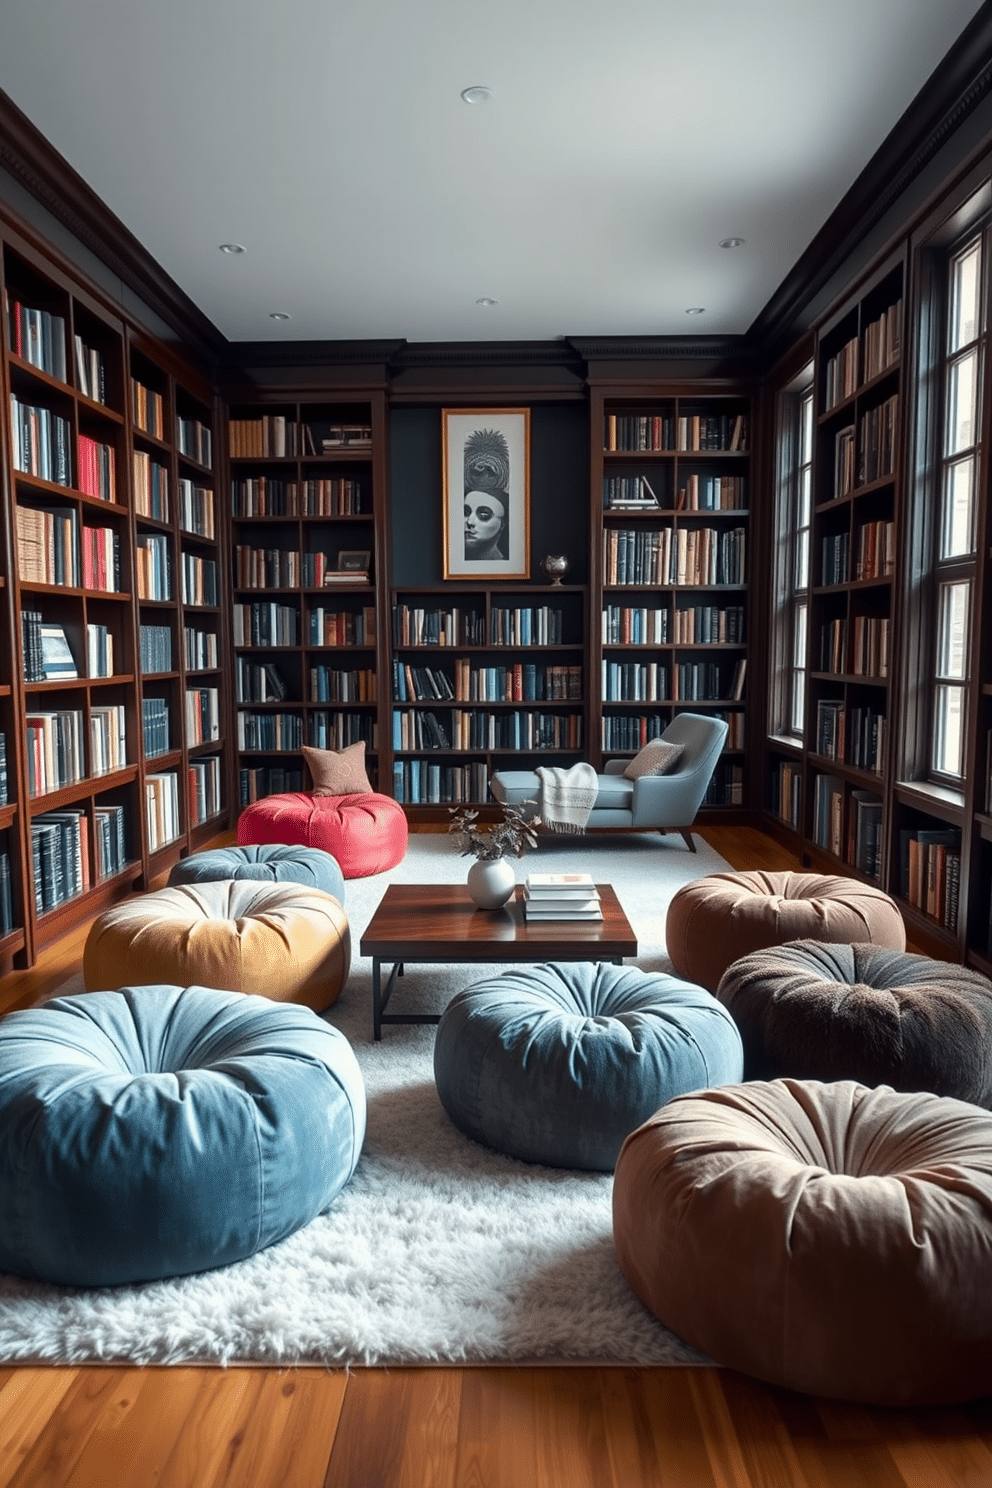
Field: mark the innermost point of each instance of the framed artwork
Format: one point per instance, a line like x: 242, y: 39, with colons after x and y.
x: 486, y: 480
x: 354, y: 560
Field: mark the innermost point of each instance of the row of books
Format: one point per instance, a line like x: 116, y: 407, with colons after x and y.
x: 341, y: 685
x: 342, y: 627
x: 99, y: 650
x: 97, y: 476
x: 156, y: 738
x: 153, y: 566
x: 284, y: 568
x: 195, y: 441
x: 200, y: 650
x: 259, y: 682
x: 700, y: 493
x: 37, y: 336
x: 277, y: 732
x: 786, y: 798
x: 202, y: 715
x: 930, y: 871
x: 147, y: 409
x: 3, y: 769
x: 273, y: 436
x: 633, y: 681
x: 108, y: 739
x: 149, y: 487
x: 697, y: 625
x: 42, y: 442
x: 419, y: 782
x: 414, y: 625
x: 518, y: 682
x: 854, y: 734
x: 835, y: 555
x: 875, y: 557
x: 155, y: 649
x: 673, y: 556
x: 48, y: 656
x: 726, y: 787
x: 840, y: 374
x: 479, y: 730
x: 561, y: 896
x: 55, y: 749
x: 203, y: 785
x: 526, y: 625
x: 6, y: 896
x: 266, y: 623
x: 196, y: 509
x: 100, y: 549
x: 336, y: 730
x: 258, y: 781
x: 627, y: 733
x: 421, y: 729
x: 60, y: 857
x: 877, y: 440
x: 869, y: 654
x: 47, y: 545
x: 327, y: 496
x: 199, y: 579
x: 665, y: 430
x: 161, y: 809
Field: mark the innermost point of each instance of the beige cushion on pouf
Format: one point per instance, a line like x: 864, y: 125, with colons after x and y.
x: 715, y: 920
x: 826, y: 1238
x: 285, y: 941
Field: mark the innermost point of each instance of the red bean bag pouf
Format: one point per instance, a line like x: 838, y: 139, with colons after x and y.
x: 365, y: 832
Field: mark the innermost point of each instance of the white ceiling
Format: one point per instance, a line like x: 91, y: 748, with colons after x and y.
x: 624, y: 140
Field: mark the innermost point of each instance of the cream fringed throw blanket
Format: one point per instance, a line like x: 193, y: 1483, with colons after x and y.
x: 567, y: 796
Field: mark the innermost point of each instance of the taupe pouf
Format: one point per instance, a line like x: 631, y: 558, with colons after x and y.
x: 285, y: 941
x: 861, y: 1012
x: 716, y: 919
x: 825, y: 1238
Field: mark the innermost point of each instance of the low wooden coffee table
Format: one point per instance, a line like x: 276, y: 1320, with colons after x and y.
x: 440, y: 922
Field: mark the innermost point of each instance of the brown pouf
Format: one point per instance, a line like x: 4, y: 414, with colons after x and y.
x: 861, y: 1012
x: 826, y: 1238
x: 285, y: 941
x: 714, y: 920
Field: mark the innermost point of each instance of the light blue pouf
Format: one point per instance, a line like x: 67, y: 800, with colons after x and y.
x: 157, y: 1131
x: 273, y: 862
x: 557, y: 1064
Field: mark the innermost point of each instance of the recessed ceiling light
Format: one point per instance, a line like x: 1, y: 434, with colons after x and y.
x: 487, y: 301
x: 733, y: 242
x: 232, y: 248
x: 478, y: 93
x: 279, y: 315
x: 696, y: 310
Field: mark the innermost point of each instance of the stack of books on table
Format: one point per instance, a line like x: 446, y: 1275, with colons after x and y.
x: 561, y: 896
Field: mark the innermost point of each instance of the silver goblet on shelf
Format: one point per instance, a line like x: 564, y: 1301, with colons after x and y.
x: 555, y: 565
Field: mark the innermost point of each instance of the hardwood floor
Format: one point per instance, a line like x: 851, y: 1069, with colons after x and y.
x: 106, y: 1427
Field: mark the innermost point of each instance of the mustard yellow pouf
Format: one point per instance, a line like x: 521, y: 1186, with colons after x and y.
x: 285, y: 941
x: 715, y: 920
x: 829, y: 1238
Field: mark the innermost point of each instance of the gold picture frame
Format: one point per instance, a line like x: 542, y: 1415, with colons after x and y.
x: 486, y: 492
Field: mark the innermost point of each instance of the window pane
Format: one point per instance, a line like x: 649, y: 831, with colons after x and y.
x: 806, y: 430
x: 965, y: 297
x: 802, y: 559
x: 952, y: 638
x: 949, y: 730
x: 799, y: 637
x: 957, y: 528
x: 962, y: 402
x: 798, y: 701
x: 804, y: 503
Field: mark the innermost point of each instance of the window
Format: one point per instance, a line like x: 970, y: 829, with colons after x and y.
x: 957, y: 484
x: 795, y: 510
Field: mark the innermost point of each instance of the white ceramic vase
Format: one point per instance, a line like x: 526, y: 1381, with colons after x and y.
x: 491, y: 881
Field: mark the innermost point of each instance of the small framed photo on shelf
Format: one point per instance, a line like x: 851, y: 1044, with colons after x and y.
x: 353, y: 560
x: 486, y: 492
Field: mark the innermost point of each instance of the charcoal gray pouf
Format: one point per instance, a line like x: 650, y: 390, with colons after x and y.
x: 556, y: 1064
x: 273, y: 862
x: 861, y: 1012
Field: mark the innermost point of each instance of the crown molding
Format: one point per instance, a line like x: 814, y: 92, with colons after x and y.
x: 958, y: 86
x: 51, y: 180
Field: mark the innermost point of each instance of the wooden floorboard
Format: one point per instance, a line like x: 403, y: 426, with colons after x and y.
x: 109, y: 1427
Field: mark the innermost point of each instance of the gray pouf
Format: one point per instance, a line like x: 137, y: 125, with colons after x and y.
x: 557, y: 1064
x: 271, y: 863
x: 813, y: 1011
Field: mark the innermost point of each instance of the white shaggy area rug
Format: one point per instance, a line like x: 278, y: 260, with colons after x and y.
x: 439, y: 1250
